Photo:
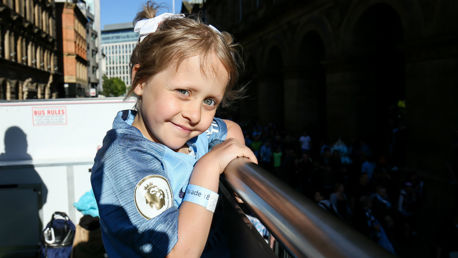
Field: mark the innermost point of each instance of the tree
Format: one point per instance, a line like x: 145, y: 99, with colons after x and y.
x: 113, y: 87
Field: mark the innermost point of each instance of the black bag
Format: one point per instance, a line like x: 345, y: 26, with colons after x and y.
x: 58, y: 236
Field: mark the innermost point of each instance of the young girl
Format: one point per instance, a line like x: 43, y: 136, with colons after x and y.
x: 156, y: 177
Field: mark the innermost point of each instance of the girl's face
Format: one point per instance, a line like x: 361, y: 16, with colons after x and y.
x: 180, y: 103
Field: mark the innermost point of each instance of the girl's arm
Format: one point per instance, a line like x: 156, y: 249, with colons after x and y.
x: 234, y: 131
x: 194, y: 221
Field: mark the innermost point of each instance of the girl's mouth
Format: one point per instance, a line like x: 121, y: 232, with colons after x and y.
x: 183, y: 128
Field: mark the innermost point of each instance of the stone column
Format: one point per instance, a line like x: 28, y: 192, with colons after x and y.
x: 25, y: 88
x: 432, y: 106
x: 12, y: 45
x: 19, y: 90
x: 350, y: 105
x: 29, y: 54
x: 297, y: 115
x: 40, y: 87
x: 8, y: 90
x: 305, y: 103
x: 19, y: 49
x: 48, y: 87
x: 7, y: 45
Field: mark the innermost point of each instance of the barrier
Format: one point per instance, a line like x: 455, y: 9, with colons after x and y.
x: 297, y: 223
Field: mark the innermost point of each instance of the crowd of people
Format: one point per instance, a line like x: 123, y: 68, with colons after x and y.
x: 363, y: 189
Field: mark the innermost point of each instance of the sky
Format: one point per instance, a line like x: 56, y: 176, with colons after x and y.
x: 120, y: 11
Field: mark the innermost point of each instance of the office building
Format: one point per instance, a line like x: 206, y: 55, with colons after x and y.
x: 118, y: 42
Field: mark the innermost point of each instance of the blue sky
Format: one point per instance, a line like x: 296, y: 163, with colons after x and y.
x: 119, y: 11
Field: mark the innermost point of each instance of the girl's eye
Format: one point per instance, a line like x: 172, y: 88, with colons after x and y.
x: 209, y: 102
x: 184, y: 92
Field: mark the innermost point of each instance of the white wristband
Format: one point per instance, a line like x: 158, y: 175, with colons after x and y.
x: 201, y: 196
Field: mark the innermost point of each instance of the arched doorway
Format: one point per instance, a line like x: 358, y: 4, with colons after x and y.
x: 378, y: 41
x: 312, y: 97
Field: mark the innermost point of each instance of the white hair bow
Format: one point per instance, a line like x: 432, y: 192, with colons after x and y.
x: 147, y: 26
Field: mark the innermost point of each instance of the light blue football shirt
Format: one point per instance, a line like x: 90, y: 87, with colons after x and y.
x: 139, y: 186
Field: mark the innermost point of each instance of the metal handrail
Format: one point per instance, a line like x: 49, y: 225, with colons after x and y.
x: 299, y: 224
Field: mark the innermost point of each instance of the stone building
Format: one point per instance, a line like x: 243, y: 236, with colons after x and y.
x: 352, y: 69
x: 71, y: 35
x: 28, y: 54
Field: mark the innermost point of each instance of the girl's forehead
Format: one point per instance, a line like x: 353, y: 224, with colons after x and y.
x: 209, y: 64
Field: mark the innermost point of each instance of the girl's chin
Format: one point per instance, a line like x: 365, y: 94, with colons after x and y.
x: 183, y: 149
x: 177, y: 146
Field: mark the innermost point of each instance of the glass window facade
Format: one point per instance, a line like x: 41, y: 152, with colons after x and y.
x: 118, y: 42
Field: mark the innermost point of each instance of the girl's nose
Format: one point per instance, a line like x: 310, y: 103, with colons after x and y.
x: 192, y: 112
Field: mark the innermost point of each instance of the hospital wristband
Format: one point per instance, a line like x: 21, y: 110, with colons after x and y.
x: 201, y: 196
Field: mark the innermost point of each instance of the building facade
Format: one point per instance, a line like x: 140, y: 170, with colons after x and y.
x: 93, y: 46
x: 352, y: 69
x: 380, y: 71
x: 28, y: 50
x: 118, y: 42
x: 92, y: 56
x: 73, y: 49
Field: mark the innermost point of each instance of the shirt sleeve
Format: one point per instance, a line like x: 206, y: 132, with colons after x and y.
x: 216, y: 133
x: 135, y: 199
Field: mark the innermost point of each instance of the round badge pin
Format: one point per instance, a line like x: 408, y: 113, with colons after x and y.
x: 153, y: 196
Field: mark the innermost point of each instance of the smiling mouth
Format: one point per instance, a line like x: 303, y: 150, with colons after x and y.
x: 183, y: 128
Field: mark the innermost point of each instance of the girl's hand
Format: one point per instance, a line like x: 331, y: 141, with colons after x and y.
x: 225, y: 152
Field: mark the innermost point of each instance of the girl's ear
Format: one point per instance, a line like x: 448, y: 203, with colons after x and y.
x: 134, y: 70
x: 138, y: 89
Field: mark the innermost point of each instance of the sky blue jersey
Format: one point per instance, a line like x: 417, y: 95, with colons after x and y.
x: 139, y: 186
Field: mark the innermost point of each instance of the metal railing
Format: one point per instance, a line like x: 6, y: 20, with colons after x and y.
x: 303, y: 228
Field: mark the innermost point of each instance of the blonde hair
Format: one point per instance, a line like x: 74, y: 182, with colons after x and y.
x: 177, y: 39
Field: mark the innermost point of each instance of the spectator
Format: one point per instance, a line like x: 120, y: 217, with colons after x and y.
x: 368, y: 167
x: 319, y: 198
x: 288, y: 163
x: 305, y: 142
x: 383, y: 209
x: 340, y: 203
x: 324, y: 146
x: 363, y: 187
x: 302, y: 172
x: 407, y: 206
x: 369, y: 225
x: 277, y: 158
x: 326, y: 156
x: 256, y: 144
x: 265, y: 154
x: 343, y: 151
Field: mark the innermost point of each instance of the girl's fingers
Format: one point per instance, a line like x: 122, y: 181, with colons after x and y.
x: 251, y: 156
x: 231, y: 149
x: 248, y: 154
